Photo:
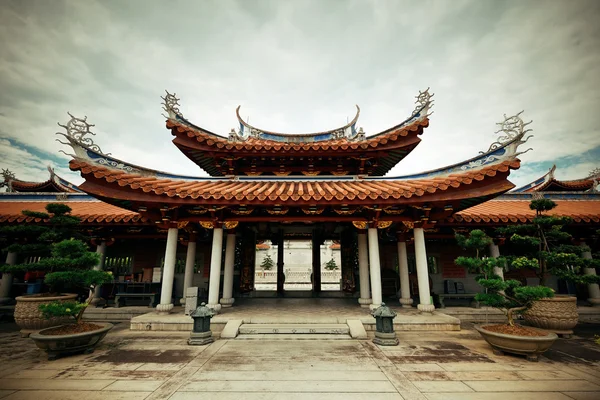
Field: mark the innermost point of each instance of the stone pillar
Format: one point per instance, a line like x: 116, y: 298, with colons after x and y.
x: 422, y: 272
x: 593, y: 289
x: 100, y: 249
x: 375, y: 268
x: 190, y: 262
x: 168, y: 274
x: 405, y: 298
x: 228, y: 299
x: 215, y: 269
x: 495, y: 253
x: 7, y: 279
x: 363, y: 270
x: 280, y: 264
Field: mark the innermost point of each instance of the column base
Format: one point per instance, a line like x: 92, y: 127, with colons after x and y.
x: 364, y: 302
x: 595, y: 302
x: 406, y: 302
x: 426, y: 308
x: 214, y: 307
x: 182, y: 301
x: 374, y: 306
x: 227, y: 302
x: 164, y: 308
x: 200, y: 338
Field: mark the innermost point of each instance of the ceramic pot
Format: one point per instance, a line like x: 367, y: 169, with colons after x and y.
x: 30, y: 319
x: 557, y: 314
x: 60, y: 345
x: 530, y: 346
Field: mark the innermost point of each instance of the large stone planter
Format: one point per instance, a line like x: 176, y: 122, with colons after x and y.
x: 530, y: 346
x: 30, y: 318
x: 557, y: 314
x: 60, y: 345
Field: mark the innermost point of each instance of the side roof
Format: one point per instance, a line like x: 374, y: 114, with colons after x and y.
x: 548, y: 183
x: 54, y: 184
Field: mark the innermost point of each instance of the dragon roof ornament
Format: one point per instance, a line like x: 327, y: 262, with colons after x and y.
x: 77, y: 131
x: 424, y: 102
x: 8, y: 176
x: 594, y: 173
x: 513, y: 129
x: 171, y: 105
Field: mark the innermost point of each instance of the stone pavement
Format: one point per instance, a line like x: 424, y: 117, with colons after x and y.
x: 427, y: 365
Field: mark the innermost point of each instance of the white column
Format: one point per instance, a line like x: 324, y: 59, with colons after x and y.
x: 375, y: 268
x: 422, y: 272
x: 405, y: 298
x: 100, y: 249
x: 190, y: 261
x: 495, y: 253
x: 7, y: 279
x: 363, y: 270
x: 215, y: 269
x: 168, y: 274
x: 593, y: 289
x: 228, y: 299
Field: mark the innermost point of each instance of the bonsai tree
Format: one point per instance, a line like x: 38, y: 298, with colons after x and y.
x: 331, y: 265
x: 267, y: 263
x: 61, y: 253
x: 506, y: 295
x: 545, y: 247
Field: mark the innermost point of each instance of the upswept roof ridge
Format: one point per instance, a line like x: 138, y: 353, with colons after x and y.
x: 54, y: 184
x: 548, y: 182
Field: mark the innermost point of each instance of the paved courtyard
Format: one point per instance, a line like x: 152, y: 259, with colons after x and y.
x: 427, y: 365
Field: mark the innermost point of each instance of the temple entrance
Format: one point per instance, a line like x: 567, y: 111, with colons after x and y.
x: 299, y: 261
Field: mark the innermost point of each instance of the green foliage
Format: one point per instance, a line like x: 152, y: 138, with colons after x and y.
x: 85, y: 279
x: 62, y: 309
x: 541, y: 205
x: 267, y: 263
x: 331, y: 265
x: 508, y: 296
x: 477, y: 240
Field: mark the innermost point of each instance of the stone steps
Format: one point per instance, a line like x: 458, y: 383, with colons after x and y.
x: 258, y: 329
x: 294, y: 336
x: 294, y: 332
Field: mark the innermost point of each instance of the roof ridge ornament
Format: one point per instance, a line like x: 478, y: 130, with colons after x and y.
x: 8, y: 176
x: 594, y: 173
x: 171, y: 105
x: 513, y: 129
x: 77, y: 129
x: 424, y: 102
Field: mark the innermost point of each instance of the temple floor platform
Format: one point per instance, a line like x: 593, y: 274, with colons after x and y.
x: 315, y: 311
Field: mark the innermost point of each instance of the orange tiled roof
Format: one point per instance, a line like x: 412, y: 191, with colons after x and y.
x: 555, y: 184
x: 254, y: 144
x: 289, y: 190
x: 89, y: 212
x: 519, y: 211
x: 22, y: 186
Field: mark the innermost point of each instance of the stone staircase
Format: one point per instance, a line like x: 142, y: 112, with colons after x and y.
x: 294, y: 331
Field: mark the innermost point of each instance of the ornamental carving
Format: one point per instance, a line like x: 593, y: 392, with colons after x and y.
x: 339, y: 173
x: 231, y: 224
x: 511, y: 128
x: 344, y: 212
x: 423, y: 100
x: 197, y: 211
x: 77, y: 131
x: 391, y: 211
x: 311, y: 173
x: 360, y: 224
x: 242, y: 211
x: 278, y: 211
x: 171, y: 105
x: 313, y: 211
x: 384, y: 224
x: 207, y: 224
x: 182, y: 224
x: 409, y: 224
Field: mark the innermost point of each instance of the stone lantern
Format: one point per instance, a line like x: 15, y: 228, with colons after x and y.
x: 201, y: 333
x: 384, y: 326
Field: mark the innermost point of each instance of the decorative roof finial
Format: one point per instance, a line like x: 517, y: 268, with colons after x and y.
x: 171, y: 105
x: 8, y: 176
x: 423, y: 102
x: 77, y: 129
x: 513, y: 128
x: 594, y: 173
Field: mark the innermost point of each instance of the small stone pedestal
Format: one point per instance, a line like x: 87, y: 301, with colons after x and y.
x: 200, y: 338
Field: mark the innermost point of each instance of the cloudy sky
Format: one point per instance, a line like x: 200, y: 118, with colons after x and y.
x: 298, y: 66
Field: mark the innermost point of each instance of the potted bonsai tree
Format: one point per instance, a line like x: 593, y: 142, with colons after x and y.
x: 544, y: 247
x: 509, y: 296
x: 73, y: 260
x: 51, y: 246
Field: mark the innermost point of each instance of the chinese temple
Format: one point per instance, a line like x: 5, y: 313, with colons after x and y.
x: 329, y: 185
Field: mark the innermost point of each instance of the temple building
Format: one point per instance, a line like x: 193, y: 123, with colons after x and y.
x: 395, y: 234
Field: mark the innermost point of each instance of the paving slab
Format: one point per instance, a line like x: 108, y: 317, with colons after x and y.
x: 75, y: 395
x: 498, y: 396
x: 286, y: 396
x: 4, y: 393
x: 290, y: 386
x: 134, y: 386
x: 357, y: 329
x: 442, y: 386
x: 48, y: 384
x: 231, y: 329
x: 289, y: 376
x: 533, y: 386
x: 582, y: 395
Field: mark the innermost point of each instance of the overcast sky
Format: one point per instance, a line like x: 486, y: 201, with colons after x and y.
x: 298, y: 66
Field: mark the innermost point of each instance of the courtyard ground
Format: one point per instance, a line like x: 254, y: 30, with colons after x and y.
x: 426, y: 365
